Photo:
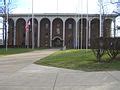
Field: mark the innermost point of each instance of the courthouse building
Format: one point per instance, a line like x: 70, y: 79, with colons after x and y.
x: 57, y: 30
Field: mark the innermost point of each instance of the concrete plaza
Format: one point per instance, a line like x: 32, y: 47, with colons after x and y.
x: 17, y: 72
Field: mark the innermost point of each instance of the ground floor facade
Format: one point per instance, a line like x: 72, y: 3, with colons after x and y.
x: 56, y: 30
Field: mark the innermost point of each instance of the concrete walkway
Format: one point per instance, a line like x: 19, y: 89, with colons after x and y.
x: 17, y: 72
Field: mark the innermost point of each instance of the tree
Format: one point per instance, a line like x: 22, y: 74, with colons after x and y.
x: 8, y: 6
x: 116, y: 4
x: 105, y: 45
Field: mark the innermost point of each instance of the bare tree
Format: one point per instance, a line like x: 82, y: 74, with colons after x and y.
x: 7, y: 8
x: 105, y: 45
x: 11, y: 5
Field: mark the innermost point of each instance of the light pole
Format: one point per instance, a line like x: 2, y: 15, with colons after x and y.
x: 100, y: 1
x: 81, y: 24
x: 87, y: 27
x: 33, y: 43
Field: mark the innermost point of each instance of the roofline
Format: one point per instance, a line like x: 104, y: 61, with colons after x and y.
x: 57, y: 14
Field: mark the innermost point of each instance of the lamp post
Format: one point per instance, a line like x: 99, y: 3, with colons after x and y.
x: 81, y: 24
x: 33, y: 43
x: 101, y: 27
x: 87, y: 27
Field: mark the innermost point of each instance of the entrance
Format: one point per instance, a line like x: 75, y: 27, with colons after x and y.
x: 57, y: 42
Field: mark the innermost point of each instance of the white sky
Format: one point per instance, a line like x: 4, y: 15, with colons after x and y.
x: 64, y: 6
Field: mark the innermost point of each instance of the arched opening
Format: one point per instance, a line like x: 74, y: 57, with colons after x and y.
x: 107, y: 28
x: 70, y: 32
x: 114, y: 32
x: 20, y: 32
x: 45, y: 33
x: 57, y: 31
x: 35, y: 32
x: 95, y: 31
x: 82, y: 33
x: 95, y: 25
x: 10, y: 32
x: 57, y: 41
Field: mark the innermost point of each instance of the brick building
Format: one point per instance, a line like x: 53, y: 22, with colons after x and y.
x: 57, y: 30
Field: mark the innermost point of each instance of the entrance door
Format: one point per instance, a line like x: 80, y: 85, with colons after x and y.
x: 57, y: 42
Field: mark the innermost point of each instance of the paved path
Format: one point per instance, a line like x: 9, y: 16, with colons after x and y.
x: 17, y: 72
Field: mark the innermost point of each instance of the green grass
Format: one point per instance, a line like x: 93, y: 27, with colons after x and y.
x: 78, y: 60
x: 13, y: 51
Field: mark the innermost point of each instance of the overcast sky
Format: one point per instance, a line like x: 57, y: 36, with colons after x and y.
x: 63, y: 6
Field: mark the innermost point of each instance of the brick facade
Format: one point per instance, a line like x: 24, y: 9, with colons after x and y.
x: 57, y: 30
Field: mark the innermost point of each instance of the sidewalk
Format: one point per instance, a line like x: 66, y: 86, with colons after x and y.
x: 17, y: 72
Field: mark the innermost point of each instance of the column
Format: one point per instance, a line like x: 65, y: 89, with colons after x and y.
x: 38, y: 43
x: 114, y: 27
x: 14, y: 32
x: 63, y: 33
x: 27, y: 34
x: 76, y: 35
x: 51, y: 33
x: 89, y: 33
x: 26, y: 27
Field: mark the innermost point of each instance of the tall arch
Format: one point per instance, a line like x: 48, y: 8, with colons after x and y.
x: 70, y: 27
x: 57, y: 31
x: 35, y: 27
x: 82, y: 32
x: 45, y: 32
x: 10, y: 32
x: 95, y: 31
x: 20, y: 32
x: 107, y: 27
x: 115, y: 33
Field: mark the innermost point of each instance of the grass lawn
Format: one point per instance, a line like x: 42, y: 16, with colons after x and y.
x: 78, y: 60
x: 13, y: 51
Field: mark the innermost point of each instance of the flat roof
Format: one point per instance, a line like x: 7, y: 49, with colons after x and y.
x: 59, y: 14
